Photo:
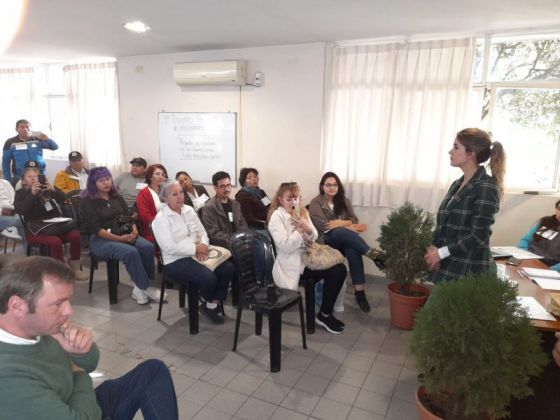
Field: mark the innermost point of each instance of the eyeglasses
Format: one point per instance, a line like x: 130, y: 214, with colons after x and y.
x: 330, y: 185
x: 288, y: 184
x: 105, y: 179
x: 224, y: 187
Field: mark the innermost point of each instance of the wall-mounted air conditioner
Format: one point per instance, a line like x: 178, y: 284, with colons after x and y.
x: 210, y: 73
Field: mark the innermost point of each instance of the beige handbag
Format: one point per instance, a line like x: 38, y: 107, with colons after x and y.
x: 216, y: 256
x: 321, y: 257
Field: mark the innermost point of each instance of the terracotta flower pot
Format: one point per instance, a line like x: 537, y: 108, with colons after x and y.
x: 404, y: 307
x: 423, y: 412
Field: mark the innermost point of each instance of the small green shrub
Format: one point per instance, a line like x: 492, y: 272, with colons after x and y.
x: 404, y: 237
x: 476, y: 347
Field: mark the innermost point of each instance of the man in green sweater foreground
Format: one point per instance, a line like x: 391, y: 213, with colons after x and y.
x: 45, y: 358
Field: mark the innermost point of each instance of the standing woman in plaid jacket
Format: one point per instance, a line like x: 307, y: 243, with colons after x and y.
x: 460, y: 244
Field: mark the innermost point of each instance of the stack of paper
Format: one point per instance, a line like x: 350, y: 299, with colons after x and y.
x: 534, y: 308
x: 512, y: 251
x: 547, y: 279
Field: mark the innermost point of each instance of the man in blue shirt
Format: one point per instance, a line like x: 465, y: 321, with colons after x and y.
x: 26, y: 146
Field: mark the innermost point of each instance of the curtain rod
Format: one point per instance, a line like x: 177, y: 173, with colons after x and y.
x: 543, y: 30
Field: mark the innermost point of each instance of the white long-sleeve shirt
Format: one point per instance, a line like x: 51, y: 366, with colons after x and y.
x: 177, y: 235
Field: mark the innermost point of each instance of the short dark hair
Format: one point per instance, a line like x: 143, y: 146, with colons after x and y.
x: 18, y: 122
x: 178, y: 174
x: 244, y: 172
x: 23, y: 277
x: 219, y: 175
x: 151, y: 169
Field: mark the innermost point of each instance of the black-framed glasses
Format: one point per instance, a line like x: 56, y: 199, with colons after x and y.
x: 288, y: 184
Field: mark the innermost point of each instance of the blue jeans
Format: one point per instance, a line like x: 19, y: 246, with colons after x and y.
x: 138, y: 258
x: 352, y: 247
x: 212, y: 284
x: 148, y: 387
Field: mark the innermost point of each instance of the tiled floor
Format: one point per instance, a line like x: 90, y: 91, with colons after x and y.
x: 365, y: 373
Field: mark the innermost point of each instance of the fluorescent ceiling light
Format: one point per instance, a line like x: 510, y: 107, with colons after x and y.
x: 137, y: 26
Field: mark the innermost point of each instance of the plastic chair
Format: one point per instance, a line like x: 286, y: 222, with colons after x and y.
x: 193, y: 295
x: 261, y: 295
x: 112, y: 276
x: 309, y: 289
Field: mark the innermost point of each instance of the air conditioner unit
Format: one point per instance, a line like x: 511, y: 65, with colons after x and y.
x: 210, y: 73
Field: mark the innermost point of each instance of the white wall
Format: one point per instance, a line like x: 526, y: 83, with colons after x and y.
x: 280, y: 123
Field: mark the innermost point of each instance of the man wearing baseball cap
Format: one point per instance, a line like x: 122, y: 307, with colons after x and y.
x: 75, y: 176
x: 130, y: 183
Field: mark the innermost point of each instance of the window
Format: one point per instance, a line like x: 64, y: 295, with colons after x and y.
x: 54, y: 109
x: 516, y: 96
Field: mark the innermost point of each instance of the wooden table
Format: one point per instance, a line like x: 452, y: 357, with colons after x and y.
x: 529, y: 288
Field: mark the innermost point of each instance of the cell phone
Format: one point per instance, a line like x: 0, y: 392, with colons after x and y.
x: 43, y: 181
x: 513, y: 261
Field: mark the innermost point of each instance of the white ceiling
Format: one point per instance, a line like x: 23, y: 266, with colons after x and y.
x: 70, y: 29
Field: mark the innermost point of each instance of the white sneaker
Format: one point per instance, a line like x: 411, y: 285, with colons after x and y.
x: 11, y: 232
x: 154, y: 294
x: 140, y: 296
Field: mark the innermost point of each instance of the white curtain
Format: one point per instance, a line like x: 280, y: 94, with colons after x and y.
x: 93, y: 103
x: 391, y: 115
x: 18, y: 99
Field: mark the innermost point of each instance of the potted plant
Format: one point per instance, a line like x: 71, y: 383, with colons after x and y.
x: 476, y: 349
x: 404, y: 238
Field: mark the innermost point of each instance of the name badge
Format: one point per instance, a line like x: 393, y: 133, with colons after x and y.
x: 140, y: 185
x: 266, y: 201
x: 230, y: 216
x: 203, y: 198
x: 48, y: 206
x: 21, y: 146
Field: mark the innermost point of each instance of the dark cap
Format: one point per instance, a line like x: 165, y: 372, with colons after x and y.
x: 75, y: 156
x: 31, y: 164
x: 139, y: 161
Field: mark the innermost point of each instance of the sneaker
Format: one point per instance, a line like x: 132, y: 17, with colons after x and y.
x: 377, y: 257
x: 361, y: 300
x: 211, y: 314
x: 140, y: 296
x: 154, y: 294
x: 338, y: 321
x: 330, y: 323
x: 11, y: 232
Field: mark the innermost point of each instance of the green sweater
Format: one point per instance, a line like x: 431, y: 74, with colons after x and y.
x: 36, y: 382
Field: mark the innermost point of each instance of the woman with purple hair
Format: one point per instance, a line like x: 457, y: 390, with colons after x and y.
x: 114, y: 235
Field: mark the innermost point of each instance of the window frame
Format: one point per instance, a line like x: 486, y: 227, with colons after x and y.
x: 488, y: 122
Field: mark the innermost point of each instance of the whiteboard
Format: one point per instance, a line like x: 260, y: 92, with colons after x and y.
x: 200, y: 143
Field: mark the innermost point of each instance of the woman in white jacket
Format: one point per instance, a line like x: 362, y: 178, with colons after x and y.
x: 182, y: 239
x: 291, y: 229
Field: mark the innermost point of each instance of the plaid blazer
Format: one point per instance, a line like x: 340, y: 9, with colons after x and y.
x: 464, y: 223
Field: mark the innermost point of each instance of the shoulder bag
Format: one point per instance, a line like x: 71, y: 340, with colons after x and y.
x: 216, y: 256
x: 321, y: 257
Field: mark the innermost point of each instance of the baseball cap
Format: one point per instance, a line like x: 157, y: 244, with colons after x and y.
x: 75, y: 156
x: 31, y: 164
x: 139, y: 161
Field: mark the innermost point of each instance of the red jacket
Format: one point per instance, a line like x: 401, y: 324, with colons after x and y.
x: 146, y: 213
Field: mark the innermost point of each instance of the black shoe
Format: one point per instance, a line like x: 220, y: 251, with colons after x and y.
x: 330, y: 323
x: 361, y: 300
x: 211, y: 314
x: 377, y: 257
x: 338, y: 321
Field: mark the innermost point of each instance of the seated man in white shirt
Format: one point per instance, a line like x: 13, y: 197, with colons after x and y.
x: 10, y: 223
